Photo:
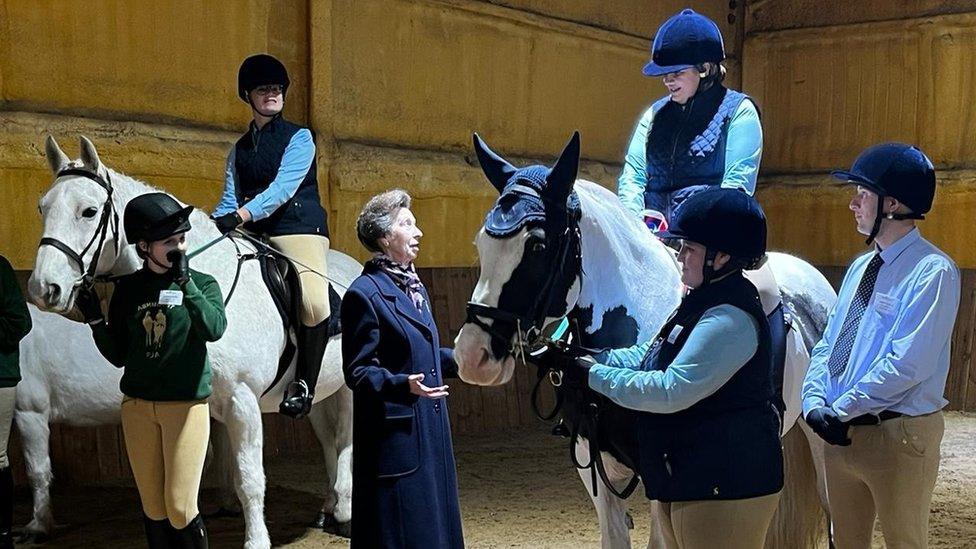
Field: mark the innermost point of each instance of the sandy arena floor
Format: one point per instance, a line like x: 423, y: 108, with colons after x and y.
x: 517, y: 490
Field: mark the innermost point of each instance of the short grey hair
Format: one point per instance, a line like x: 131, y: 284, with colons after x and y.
x: 376, y: 219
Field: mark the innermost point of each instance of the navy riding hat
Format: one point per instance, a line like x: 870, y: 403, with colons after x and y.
x: 898, y: 170
x: 725, y: 220
x: 685, y: 40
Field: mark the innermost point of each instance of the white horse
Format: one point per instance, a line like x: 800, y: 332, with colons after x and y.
x: 79, y: 213
x: 65, y: 380
x: 621, y: 291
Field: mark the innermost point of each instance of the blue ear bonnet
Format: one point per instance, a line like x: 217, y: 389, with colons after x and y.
x: 523, y: 203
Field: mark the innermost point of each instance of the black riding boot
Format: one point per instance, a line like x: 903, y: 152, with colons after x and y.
x: 6, y: 508
x: 194, y: 536
x: 158, y: 532
x: 311, y: 349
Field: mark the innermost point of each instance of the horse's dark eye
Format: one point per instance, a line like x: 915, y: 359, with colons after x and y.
x: 89, y: 212
x: 537, y: 246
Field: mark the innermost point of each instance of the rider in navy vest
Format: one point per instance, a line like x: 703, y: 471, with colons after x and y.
x: 270, y: 188
x: 709, y: 431
x: 700, y: 135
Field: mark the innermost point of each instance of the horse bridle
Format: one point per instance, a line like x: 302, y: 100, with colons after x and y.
x: 527, y: 328
x: 108, y: 220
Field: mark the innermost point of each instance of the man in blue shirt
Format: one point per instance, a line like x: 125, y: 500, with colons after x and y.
x: 876, y: 379
x: 271, y: 188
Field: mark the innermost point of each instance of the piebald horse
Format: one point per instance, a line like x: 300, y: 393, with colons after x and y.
x: 556, y: 247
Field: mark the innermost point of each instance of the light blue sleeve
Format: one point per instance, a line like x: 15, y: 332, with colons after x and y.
x: 627, y: 357
x: 633, y: 177
x: 295, y: 164
x: 228, y: 201
x: 743, y: 149
x: 922, y: 329
x: 724, y: 339
x: 814, y: 390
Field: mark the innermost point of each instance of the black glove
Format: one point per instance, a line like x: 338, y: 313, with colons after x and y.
x: 828, y: 426
x: 89, y: 305
x: 179, y: 266
x: 577, y: 369
x: 228, y: 222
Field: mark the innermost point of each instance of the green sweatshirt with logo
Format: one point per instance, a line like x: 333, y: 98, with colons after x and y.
x: 163, y: 348
x: 15, y: 323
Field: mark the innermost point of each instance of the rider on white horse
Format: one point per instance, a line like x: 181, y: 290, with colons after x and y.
x: 271, y: 188
x: 709, y: 435
x: 160, y: 320
x: 700, y: 135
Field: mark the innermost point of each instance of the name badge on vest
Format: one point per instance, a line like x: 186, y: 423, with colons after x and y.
x: 675, y: 332
x: 885, y: 304
x: 170, y: 297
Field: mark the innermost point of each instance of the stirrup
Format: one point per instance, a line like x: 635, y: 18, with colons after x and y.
x: 297, y: 402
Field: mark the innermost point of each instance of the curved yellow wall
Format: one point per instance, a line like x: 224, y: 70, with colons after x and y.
x: 392, y: 88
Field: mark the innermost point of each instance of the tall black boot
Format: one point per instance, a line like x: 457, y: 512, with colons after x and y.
x: 6, y: 508
x: 194, y: 536
x: 158, y: 532
x: 311, y: 348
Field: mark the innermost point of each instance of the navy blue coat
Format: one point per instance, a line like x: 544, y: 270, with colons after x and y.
x: 404, y: 479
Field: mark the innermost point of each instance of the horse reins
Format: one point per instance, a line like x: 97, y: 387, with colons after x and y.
x: 109, y: 219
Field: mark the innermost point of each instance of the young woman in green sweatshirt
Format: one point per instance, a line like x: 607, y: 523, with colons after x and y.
x: 159, y: 322
x: 15, y: 323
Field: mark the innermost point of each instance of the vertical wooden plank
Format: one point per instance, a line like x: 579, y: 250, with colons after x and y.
x: 107, y: 441
x: 962, y: 346
x: 80, y: 450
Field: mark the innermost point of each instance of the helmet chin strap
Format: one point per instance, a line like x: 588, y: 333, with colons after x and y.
x: 881, y: 216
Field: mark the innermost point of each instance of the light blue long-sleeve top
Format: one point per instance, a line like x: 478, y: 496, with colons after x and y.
x: 295, y: 163
x: 900, y: 358
x: 723, y: 341
x: 743, y: 151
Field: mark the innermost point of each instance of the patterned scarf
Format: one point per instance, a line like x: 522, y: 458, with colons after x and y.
x: 404, y: 277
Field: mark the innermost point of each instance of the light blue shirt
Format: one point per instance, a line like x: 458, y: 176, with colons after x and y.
x: 900, y: 358
x: 743, y: 150
x: 295, y: 163
x: 723, y: 341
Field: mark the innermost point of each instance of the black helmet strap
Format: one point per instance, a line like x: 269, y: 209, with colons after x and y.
x: 881, y: 216
x: 108, y: 220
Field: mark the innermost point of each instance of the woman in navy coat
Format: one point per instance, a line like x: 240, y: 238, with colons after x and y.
x: 404, y: 480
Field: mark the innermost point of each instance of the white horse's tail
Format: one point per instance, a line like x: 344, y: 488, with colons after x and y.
x: 799, y: 519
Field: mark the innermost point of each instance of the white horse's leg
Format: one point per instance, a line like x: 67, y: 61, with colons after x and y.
x: 35, y: 435
x: 332, y: 422
x: 322, y: 423
x: 242, y: 415
x: 611, y: 511
x: 220, y: 473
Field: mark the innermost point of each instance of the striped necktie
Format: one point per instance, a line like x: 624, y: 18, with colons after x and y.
x: 841, y: 353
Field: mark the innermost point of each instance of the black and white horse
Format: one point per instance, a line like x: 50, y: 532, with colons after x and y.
x: 555, y: 247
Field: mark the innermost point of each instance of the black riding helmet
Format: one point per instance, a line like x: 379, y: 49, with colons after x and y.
x: 260, y: 70
x: 723, y: 220
x: 155, y: 216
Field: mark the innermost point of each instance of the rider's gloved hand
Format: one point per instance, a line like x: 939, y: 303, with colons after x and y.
x: 179, y: 266
x: 228, y: 222
x: 89, y: 305
x: 828, y: 426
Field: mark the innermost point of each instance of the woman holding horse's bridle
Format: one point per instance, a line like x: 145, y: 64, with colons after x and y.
x: 404, y: 480
x: 270, y: 188
x: 160, y: 320
x: 700, y: 135
x: 15, y: 324
x: 708, y: 436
